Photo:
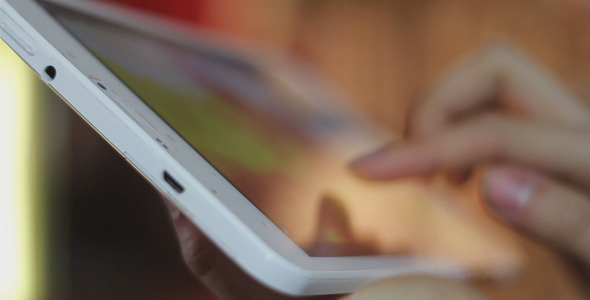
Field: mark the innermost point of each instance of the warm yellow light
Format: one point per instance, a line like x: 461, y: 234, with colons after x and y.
x: 17, y: 228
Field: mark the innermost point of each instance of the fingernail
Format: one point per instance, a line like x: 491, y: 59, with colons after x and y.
x: 172, y: 209
x: 508, y: 190
x: 371, y: 155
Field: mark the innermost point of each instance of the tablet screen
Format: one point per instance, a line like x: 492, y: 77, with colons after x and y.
x: 286, y: 153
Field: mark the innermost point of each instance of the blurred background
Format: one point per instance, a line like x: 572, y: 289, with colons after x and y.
x: 76, y: 222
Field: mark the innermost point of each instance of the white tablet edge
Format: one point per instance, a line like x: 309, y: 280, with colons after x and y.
x: 297, y: 275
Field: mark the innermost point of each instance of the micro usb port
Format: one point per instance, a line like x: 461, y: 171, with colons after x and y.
x: 173, y: 183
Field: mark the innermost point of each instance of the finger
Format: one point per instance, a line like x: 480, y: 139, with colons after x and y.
x: 458, y: 177
x: 193, y: 244
x: 541, y: 206
x: 503, y: 77
x: 217, y: 271
x: 417, y: 287
x: 556, y: 150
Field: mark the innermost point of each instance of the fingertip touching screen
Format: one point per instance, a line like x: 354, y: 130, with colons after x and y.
x: 289, y: 154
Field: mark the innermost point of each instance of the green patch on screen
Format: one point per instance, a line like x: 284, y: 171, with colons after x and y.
x: 216, y: 129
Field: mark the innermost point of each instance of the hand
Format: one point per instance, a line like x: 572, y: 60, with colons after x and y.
x: 533, y: 135
x: 492, y: 109
x: 218, y: 272
x: 227, y: 281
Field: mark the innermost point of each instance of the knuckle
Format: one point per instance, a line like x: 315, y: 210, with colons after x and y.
x: 189, y: 251
x: 498, y: 52
x: 199, y: 255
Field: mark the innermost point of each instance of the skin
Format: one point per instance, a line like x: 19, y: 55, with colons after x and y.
x: 498, y: 110
x: 501, y: 110
x: 227, y: 281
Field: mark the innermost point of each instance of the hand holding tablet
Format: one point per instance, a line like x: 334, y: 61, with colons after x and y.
x: 529, y: 198
x: 254, y: 150
x: 251, y: 146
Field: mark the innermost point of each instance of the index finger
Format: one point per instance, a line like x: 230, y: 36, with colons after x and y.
x: 554, y: 150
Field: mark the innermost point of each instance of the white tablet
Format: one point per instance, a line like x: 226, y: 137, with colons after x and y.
x: 252, y: 147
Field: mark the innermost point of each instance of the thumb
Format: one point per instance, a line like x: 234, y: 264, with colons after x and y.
x: 541, y: 206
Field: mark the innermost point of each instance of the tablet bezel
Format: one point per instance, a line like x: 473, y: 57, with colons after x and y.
x: 233, y: 223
